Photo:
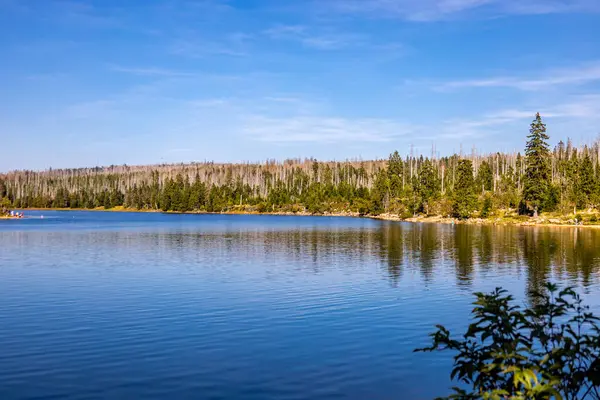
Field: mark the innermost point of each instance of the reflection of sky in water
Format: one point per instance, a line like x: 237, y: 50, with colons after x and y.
x: 254, y: 306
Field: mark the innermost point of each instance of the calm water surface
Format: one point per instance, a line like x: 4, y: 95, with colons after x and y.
x: 128, y: 305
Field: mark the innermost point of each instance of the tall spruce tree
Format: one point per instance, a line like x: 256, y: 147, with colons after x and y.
x: 397, y: 185
x: 379, y: 193
x: 395, y: 174
x: 465, y: 199
x: 586, y: 182
x: 428, y: 184
x: 536, y: 183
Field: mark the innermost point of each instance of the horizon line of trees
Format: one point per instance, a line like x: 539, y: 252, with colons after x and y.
x: 564, y: 179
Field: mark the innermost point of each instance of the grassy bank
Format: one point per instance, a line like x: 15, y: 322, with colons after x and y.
x: 553, y: 220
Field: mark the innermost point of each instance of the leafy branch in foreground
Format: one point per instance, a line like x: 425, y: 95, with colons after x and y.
x: 549, y: 350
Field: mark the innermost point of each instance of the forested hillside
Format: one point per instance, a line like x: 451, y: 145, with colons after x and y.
x: 540, y: 179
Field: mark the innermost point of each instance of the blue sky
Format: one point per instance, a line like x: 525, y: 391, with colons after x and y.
x: 99, y: 82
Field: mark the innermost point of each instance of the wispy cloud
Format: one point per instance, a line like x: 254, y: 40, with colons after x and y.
x: 83, y: 13
x: 571, y: 76
x: 174, y: 74
x: 200, y: 45
x: 152, y: 71
x: 198, y: 48
x: 486, y: 125
x: 585, y: 109
x: 285, y: 31
x: 290, y: 120
x: 551, y: 6
x: 420, y: 10
x: 47, y: 46
x: 197, y: 8
x: 433, y: 10
x: 280, y: 99
x: 321, y: 39
x: 323, y: 129
x: 209, y: 103
x: 90, y: 109
x: 47, y: 77
x: 496, y: 118
x: 315, y: 129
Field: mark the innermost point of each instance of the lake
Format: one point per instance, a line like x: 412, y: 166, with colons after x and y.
x: 148, y: 305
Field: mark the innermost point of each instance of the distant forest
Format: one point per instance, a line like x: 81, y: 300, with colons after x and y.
x: 541, y: 179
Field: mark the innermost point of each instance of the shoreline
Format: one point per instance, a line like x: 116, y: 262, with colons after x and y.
x: 553, y: 221
x: 7, y: 217
x: 492, y: 221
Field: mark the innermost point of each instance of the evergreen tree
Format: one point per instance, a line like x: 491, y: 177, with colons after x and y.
x: 167, y: 195
x: 485, y: 179
x: 486, y: 206
x: 197, y: 199
x: 569, y: 176
x: 177, y: 194
x: 508, y: 190
x: 537, y: 173
x: 465, y: 200
x: 4, y: 205
x: 115, y: 198
x: 428, y: 184
x: 394, y: 170
x: 586, y: 182
x: 379, y: 194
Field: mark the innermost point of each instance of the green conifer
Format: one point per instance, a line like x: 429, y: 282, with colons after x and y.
x: 465, y: 200
x: 536, y: 182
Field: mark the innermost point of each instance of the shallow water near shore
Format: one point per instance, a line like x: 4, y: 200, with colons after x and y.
x: 148, y: 305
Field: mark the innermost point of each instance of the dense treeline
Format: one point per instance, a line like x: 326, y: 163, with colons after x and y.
x: 564, y: 179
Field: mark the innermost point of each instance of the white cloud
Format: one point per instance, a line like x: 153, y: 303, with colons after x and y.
x: 280, y: 119
x: 209, y: 103
x: 433, y: 10
x: 583, y: 110
x: 199, y: 49
x: 204, y: 6
x: 47, y: 77
x: 485, y: 126
x: 323, y: 129
x: 48, y: 46
x: 279, y: 99
x: 283, y: 31
x: 162, y: 76
x: 585, y: 107
x: 85, y: 14
x: 316, y: 38
x: 346, y: 130
x: 195, y: 45
x: 568, y: 76
x: 152, y: 71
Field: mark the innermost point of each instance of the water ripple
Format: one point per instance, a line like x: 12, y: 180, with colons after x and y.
x: 153, y: 306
